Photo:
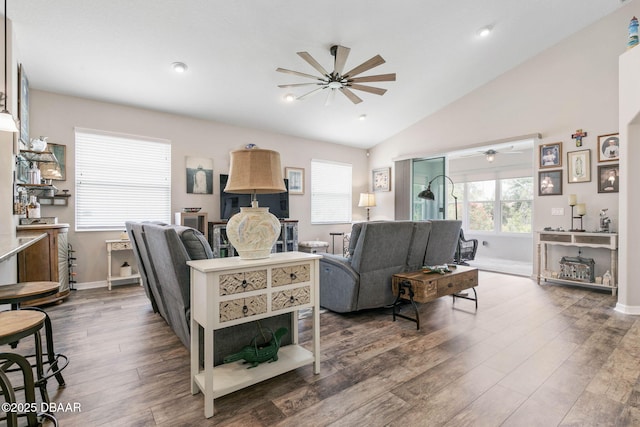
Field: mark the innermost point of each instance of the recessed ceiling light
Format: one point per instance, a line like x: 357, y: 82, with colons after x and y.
x: 289, y: 97
x: 179, y: 67
x: 362, y: 117
x: 485, y: 31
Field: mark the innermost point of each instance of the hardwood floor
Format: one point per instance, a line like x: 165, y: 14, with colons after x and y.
x: 531, y: 355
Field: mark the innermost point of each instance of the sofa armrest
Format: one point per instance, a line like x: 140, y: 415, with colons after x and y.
x: 339, y: 284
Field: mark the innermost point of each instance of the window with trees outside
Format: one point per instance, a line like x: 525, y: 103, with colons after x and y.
x: 503, y: 205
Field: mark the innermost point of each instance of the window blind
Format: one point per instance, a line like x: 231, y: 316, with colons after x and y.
x: 121, y: 178
x: 330, y: 192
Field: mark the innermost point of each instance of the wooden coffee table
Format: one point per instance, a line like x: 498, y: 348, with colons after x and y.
x: 417, y: 286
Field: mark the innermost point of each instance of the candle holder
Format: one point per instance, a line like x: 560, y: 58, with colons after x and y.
x: 574, y: 217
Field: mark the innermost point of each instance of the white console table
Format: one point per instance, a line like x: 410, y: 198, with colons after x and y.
x: 230, y: 291
x: 605, y: 241
x: 119, y: 245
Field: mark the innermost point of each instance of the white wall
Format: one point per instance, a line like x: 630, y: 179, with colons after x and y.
x: 569, y: 86
x: 56, y: 116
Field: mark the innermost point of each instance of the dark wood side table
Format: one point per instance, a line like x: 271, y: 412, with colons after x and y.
x: 417, y: 286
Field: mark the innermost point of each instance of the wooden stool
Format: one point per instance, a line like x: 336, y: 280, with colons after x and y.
x: 14, y: 326
x: 27, y: 291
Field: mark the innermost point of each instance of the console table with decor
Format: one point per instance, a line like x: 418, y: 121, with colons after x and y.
x: 120, y: 245
x: 230, y: 291
x: 603, y: 241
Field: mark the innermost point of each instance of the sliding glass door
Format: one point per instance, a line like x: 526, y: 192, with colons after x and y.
x: 423, y: 171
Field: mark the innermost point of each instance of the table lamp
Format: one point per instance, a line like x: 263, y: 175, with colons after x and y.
x: 253, y: 231
x: 367, y: 200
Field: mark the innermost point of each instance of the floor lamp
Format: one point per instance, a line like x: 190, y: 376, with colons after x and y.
x: 428, y: 194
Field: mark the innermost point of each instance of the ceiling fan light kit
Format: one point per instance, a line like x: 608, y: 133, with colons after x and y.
x: 338, y: 80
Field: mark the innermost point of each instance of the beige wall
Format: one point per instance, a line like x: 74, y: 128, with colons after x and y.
x: 56, y: 116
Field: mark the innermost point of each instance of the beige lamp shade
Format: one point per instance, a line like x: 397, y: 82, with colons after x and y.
x: 367, y: 200
x: 255, y: 171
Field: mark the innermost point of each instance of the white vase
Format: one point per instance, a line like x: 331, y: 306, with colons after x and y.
x: 253, y: 232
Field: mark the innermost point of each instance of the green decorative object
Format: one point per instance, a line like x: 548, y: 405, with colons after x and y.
x: 256, y: 354
x: 441, y: 269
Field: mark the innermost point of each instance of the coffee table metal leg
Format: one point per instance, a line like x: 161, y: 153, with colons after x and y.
x: 464, y: 296
x: 403, y: 289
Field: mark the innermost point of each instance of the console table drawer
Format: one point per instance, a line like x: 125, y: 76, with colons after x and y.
x: 291, y: 298
x: 457, y: 283
x: 236, y: 283
x: 242, y: 307
x: 290, y: 275
x: 120, y: 246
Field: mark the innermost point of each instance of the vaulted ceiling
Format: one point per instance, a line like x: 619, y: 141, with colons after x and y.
x: 121, y: 51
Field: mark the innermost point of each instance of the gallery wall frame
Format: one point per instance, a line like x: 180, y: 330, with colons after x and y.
x: 550, y: 155
x: 296, y: 179
x: 609, y: 147
x: 579, y: 166
x: 550, y: 183
x: 608, y: 178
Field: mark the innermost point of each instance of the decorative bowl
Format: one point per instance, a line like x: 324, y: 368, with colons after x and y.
x: 191, y: 210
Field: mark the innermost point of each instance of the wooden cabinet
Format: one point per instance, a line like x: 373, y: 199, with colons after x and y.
x: 47, y: 259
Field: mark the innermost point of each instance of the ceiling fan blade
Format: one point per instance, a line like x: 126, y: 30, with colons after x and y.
x: 340, y: 59
x: 313, y: 92
x: 377, y: 78
x: 367, y: 65
x: 299, y: 84
x: 352, y: 96
x: 298, y: 73
x: 330, y: 97
x: 315, y: 64
x: 369, y: 89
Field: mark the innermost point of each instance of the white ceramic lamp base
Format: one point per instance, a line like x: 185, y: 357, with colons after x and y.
x: 253, y: 232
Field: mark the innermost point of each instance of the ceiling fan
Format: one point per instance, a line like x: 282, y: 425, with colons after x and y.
x: 490, y: 154
x: 337, y: 80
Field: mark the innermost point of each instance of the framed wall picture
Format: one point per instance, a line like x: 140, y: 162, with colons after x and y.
x: 608, y: 178
x: 23, y: 106
x: 199, y: 175
x: 551, y: 155
x: 609, y: 147
x: 296, y: 180
x: 56, y: 172
x: 579, y: 166
x: 381, y: 179
x: 550, y: 183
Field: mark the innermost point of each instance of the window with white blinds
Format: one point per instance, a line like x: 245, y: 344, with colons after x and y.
x: 330, y: 192
x: 121, y: 178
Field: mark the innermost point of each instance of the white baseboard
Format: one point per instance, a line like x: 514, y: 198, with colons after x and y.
x: 91, y: 285
x: 627, y: 309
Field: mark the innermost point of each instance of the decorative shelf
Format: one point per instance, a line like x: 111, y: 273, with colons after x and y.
x: 39, y: 156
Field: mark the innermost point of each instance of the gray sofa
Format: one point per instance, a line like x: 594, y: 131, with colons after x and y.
x: 162, y: 252
x: 378, y: 250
